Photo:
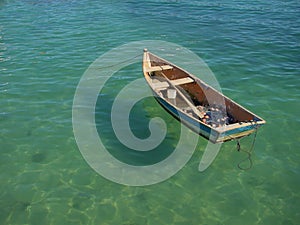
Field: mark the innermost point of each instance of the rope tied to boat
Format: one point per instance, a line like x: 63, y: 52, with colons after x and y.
x: 249, y: 153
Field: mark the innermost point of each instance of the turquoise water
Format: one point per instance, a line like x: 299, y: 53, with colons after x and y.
x: 45, y: 47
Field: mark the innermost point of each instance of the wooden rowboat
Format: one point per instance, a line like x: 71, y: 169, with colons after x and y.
x: 196, y: 104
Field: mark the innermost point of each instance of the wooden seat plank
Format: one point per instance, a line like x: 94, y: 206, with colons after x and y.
x: 159, y: 68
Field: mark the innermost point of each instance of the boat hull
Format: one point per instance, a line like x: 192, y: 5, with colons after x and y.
x: 194, y: 97
x: 203, y: 130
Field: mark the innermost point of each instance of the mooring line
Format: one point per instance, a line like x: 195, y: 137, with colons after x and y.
x: 249, y: 153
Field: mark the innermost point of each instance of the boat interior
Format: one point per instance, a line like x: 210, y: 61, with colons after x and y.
x: 177, y: 86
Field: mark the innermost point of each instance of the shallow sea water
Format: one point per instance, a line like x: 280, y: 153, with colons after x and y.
x: 46, y: 46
